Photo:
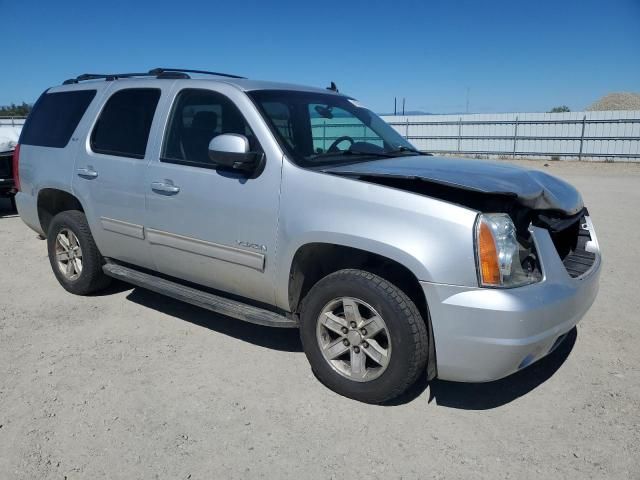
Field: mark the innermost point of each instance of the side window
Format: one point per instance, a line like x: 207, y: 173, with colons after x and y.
x: 55, y: 117
x: 197, y: 117
x: 124, y: 124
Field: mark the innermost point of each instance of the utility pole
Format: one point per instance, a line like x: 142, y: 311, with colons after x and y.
x: 395, y: 106
x: 402, y: 105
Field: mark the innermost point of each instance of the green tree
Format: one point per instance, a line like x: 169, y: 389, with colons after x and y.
x: 14, y: 110
x: 560, y: 109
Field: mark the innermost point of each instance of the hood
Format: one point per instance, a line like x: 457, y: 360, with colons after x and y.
x: 533, y: 189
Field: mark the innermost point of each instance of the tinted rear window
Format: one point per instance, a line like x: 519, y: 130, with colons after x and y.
x: 55, y: 117
x: 124, y: 124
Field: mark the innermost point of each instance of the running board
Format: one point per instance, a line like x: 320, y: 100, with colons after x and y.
x: 215, y: 303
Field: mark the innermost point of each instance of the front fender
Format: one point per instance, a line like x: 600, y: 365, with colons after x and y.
x: 430, y: 237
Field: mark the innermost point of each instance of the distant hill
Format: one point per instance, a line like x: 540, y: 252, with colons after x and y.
x: 617, y: 101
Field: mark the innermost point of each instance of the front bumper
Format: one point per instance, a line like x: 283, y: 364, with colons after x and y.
x: 484, y: 334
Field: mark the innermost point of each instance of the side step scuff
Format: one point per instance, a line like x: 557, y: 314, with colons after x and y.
x: 215, y: 303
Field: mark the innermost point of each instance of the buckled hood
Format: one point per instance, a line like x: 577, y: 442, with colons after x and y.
x: 534, y: 189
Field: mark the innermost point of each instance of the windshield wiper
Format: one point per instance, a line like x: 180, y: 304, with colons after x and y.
x: 403, y: 149
x: 352, y: 152
x: 389, y: 154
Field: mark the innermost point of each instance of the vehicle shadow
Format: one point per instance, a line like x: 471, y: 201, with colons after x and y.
x: 282, y: 339
x: 485, y: 396
x: 466, y: 396
x: 116, y: 286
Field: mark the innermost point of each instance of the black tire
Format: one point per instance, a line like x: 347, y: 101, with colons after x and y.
x: 407, y: 332
x: 92, y: 279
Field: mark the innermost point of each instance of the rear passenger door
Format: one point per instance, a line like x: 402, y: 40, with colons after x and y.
x: 204, y: 224
x: 110, y: 171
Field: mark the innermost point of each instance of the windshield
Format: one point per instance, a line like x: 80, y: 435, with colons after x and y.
x: 324, y: 129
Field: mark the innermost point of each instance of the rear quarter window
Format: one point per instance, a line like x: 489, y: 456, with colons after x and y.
x: 124, y: 124
x: 55, y: 117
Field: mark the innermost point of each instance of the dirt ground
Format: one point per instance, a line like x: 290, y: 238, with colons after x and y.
x: 129, y: 384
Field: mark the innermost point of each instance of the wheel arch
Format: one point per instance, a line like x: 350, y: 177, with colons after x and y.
x: 51, y: 201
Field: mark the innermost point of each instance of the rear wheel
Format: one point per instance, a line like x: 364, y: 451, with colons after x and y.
x: 73, y: 254
x: 365, y: 339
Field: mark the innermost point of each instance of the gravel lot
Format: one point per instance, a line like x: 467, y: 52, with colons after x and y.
x: 132, y: 385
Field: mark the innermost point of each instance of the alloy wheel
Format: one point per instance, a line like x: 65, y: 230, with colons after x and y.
x: 68, y: 254
x: 354, y: 339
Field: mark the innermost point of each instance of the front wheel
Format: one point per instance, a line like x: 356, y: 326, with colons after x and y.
x: 364, y: 338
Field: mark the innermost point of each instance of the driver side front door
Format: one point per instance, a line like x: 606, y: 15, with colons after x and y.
x: 205, y: 225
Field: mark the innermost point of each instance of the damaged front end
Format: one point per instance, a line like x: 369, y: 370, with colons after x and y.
x: 572, y: 238
x: 505, y: 258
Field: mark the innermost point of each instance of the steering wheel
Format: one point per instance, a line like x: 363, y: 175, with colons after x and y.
x: 334, y: 145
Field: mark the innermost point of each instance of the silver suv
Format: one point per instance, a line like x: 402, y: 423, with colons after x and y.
x: 292, y: 206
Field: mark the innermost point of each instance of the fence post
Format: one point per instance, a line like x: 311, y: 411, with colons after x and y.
x: 406, y: 133
x: 459, y: 131
x: 584, y: 121
x: 515, y: 138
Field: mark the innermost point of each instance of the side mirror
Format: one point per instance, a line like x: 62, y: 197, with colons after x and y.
x: 231, y: 150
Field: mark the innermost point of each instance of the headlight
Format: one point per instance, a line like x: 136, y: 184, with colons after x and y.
x: 502, y: 260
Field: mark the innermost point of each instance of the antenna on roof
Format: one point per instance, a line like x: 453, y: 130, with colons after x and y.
x: 333, y: 87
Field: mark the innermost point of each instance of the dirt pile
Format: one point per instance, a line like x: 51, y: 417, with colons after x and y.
x: 617, y: 101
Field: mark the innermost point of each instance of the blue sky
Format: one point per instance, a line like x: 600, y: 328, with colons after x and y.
x: 511, y: 55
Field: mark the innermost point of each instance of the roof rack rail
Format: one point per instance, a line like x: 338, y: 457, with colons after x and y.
x: 106, y: 76
x: 159, y: 71
x: 168, y: 73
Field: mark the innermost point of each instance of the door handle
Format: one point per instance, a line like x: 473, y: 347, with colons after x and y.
x: 88, y: 172
x: 165, y: 188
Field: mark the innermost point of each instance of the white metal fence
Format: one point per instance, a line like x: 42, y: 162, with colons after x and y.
x: 613, y: 135
x: 12, y: 121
